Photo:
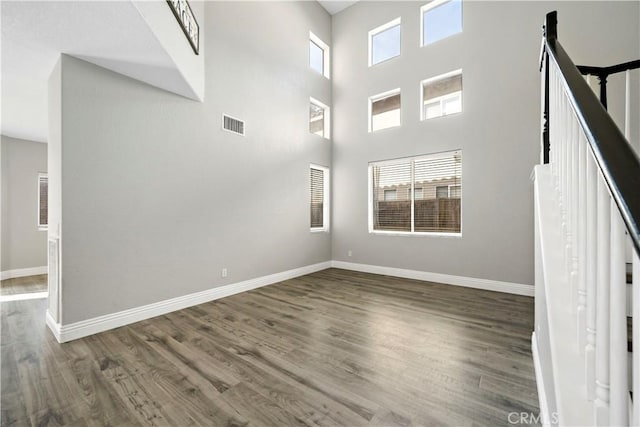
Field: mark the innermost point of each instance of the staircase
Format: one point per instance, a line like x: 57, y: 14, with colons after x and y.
x: 586, y: 343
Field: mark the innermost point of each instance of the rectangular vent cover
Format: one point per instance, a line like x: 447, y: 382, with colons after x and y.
x: 232, y: 125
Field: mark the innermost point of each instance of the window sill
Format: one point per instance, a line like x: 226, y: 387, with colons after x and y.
x: 416, y: 234
x: 43, y: 228
x: 319, y: 230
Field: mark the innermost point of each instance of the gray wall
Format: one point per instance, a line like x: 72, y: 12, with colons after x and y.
x: 23, y: 245
x: 498, y: 130
x: 157, y: 199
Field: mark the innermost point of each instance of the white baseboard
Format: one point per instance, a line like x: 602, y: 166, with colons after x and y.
x: 469, y: 282
x: 72, y: 331
x: 23, y: 272
x: 54, y: 326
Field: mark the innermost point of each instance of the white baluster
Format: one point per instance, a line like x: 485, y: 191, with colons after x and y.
x: 591, y: 271
x: 601, y: 404
x: 581, y: 252
x: 627, y: 106
x: 636, y: 339
x: 573, y: 204
x: 619, y: 386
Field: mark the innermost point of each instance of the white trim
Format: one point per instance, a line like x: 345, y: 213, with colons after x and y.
x: 326, y: 116
x: 326, y: 198
x: 380, y: 29
x: 83, y: 328
x: 439, y: 98
x: 22, y: 297
x: 53, y: 326
x: 468, y: 282
x: 542, y: 391
x: 379, y: 97
x: 326, y: 55
x: 23, y: 272
x: 432, y: 5
x: 42, y: 227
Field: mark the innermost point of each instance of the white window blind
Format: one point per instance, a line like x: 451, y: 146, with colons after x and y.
x: 435, y: 181
x: 43, y: 200
x: 319, y: 201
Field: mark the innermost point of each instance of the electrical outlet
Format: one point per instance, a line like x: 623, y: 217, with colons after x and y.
x: 224, y: 272
x: 350, y: 253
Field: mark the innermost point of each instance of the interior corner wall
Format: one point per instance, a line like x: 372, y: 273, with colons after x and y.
x: 157, y: 198
x: 23, y: 244
x: 498, y: 130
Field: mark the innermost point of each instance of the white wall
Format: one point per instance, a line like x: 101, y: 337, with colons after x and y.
x: 170, y: 35
x: 23, y: 244
x: 157, y: 199
x: 498, y: 131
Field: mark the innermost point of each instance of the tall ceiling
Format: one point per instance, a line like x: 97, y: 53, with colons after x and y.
x: 335, y: 6
x: 111, y: 34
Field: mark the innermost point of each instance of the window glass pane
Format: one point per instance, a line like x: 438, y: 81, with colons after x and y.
x: 442, y: 21
x: 417, y: 193
x: 440, y: 178
x: 385, y: 44
x: 316, y: 57
x: 316, y: 119
x: 391, y: 214
x: 385, y: 112
x: 317, y: 198
x: 442, y: 96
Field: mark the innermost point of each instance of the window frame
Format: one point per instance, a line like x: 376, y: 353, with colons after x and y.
x: 326, y: 200
x: 433, y: 5
x: 42, y: 227
x: 442, y: 97
x: 411, y: 159
x: 326, y: 131
x: 378, y: 97
x: 326, y: 55
x: 382, y: 28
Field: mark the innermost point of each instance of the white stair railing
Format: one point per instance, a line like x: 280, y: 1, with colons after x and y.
x: 600, y: 220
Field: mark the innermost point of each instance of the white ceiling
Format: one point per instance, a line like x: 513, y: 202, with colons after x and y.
x: 335, y: 6
x: 111, y: 34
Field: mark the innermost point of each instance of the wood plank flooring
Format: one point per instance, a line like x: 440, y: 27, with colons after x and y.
x: 333, y: 348
x: 24, y: 285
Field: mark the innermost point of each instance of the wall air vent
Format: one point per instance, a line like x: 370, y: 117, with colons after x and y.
x: 231, y: 124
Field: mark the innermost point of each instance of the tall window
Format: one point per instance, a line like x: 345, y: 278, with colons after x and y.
x: 442, y: 95
x: 384, y: 110
x: 319, y: 120
x: 43, y: 201
x: 319, y: 201
x: 384, y: 42
x: 427, y: 194
x: 318, y: 55
x: 440, y: 19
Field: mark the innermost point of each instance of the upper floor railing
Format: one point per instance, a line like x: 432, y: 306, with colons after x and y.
x: 596, y: 175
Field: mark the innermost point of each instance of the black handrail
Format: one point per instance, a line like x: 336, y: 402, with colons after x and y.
x: 612, y: 152
x: 604, y: 72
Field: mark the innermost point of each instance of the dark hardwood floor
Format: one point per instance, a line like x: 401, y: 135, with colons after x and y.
x: 24, y: 285
x: 333, y: 348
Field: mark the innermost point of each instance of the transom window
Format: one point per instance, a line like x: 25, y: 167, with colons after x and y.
x: 319, y: 118
x: 442, y: 95
x: 440, y: 19
x: 318, y: 55
x: 427, y: 194
x: 384, y: 42
x: 384, y: 110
